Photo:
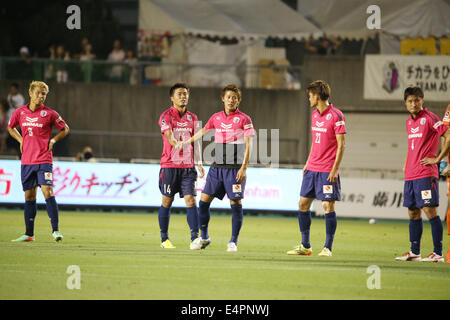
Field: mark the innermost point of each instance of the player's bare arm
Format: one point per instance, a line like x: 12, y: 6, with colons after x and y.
x: 16, y: 135
x: 169, y: 135
x: 60, y: 135
x: 240, y: 176
x: 194, y: 138
x: 332, y: 177
x: 198, y: 156
x: 442, y: 154
x: 306, y: 164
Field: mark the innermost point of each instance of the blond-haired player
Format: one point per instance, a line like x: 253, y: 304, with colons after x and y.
x: 36, y: 122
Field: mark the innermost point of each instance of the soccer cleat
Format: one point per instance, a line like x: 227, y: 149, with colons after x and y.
x: 57, y: 236
x: 433, y: 257
x: 300, y: 251
x: 231, y: 247
x: 23, y: 238
x: 205, y: 243
x: 325, y: 253
x: 409, y: 256
x: 167, y: 245
x: 196, y: 244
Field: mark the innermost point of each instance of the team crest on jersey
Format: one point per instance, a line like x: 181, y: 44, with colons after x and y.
x: 48, y: 176
x: 236, y: 119
x: 422, y: 121
x: 327, y: 189
x: 43, y: 113
x: 237, y: 188
x: 328, y: 116
x: 189, y: 117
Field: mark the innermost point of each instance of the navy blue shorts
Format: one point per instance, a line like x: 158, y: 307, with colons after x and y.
x: 221, y: 181
x: 315, y: 185
x: 177, y: 180
x: 36, y: 175
x: 421, y: 193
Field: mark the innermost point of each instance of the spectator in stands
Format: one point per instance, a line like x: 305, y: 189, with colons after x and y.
x: 326, y: 46
x: 23, y: 69
x: 4, y: 107
x: 87, y: 155
x: 116, y: 55
x: 61, y: 67
x: 15, y: 98
x: 134, y: 70
x: 87, y: 54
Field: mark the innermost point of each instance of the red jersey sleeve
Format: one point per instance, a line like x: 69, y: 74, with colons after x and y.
x: 210, y: 124
x: 339, y: 125
x: 446, y: 119
x: 58, y: 121
x: 439, y: 127
x: 14, y: 121
x: 165, y: 123
x: 249, y: 131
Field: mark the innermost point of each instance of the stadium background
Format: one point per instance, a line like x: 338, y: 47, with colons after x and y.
x: 117, y: 117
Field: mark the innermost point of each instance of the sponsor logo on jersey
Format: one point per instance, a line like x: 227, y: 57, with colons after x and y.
x: 226, y: 126
x: 31, y: 119
x: 182, y: 129
x: 182, y: 124
x: 164, y: 128
x: 340, y: 123
x: 59, y: 119
x: 426, y: 194
x: 319, y: 129
x: 248, y: 126
x: 414, y: 130
x: 319, y: 124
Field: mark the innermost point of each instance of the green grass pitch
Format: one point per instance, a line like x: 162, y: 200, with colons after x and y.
x: 120, y: 258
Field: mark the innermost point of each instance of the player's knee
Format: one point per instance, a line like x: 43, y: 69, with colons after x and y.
x: 328, y: 206
x: 414, y: 214
x: 234, y: 202
x: 30, y: 197
x: 304, y: 205
x: 47, y: 192
x: 167, y: 202
x: 190, y: 201
x: 431, y: 212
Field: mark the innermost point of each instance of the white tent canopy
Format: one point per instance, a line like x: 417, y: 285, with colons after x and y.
x: 243, y: 19
x: 399, y: 18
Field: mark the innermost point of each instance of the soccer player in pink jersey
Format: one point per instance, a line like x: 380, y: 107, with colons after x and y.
x: 421, y: 189
x: 321, y: 171
x: 178, y: 174
x: 36, y: 122
x: 233, y: 130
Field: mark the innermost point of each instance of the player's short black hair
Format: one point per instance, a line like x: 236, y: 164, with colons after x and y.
x: 176, y: 86
x: 320, y: 88
x: 413, y: 91
x: 15, y: 85
x: 234, y: 88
